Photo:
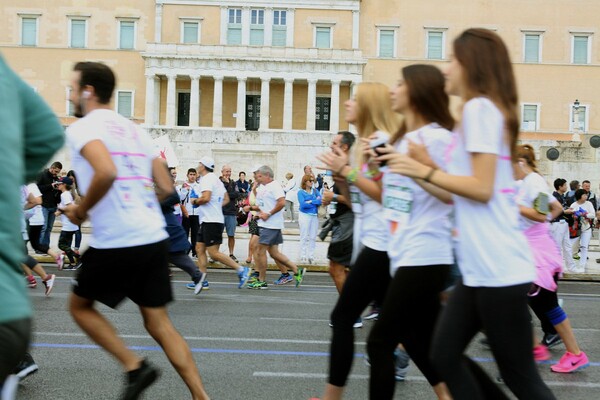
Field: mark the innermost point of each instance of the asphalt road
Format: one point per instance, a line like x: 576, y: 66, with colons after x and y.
x: 270, y: 344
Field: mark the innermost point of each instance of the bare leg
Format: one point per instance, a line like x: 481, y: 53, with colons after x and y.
x: 333, y: 392
x: 282, y: 258
x: 201, y: 253
x: 252, y: 244
x: 565, y: 332
x: 215, y: 254
x: 338, y: 274
x: 38, y: 269
x: 231, y: 243
x: 159, y: 326
x: 101, y: 331
x: 260, y: 258
x: 442, y: 392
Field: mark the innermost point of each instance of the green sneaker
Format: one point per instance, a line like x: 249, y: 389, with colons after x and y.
x: 299, y: 277
x: 258, y: 285
x: 576, y: 257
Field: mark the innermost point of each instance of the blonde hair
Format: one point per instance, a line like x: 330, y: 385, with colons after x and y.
x: 374, y: 113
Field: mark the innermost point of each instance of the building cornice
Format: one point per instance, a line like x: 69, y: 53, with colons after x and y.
x: 348, y: 5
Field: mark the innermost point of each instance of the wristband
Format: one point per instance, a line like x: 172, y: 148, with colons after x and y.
x: 430, y: 174
x: 352, y: 175
x: 335, y: 196
x: 377, y: 177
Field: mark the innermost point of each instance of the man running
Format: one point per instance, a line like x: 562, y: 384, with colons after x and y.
x: 117, y: 170
x: 270, y: 200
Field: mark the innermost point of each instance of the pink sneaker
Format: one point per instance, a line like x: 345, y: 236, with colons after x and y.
x: 571, y: 363
x: 541, y: 353
x: 60, y: 261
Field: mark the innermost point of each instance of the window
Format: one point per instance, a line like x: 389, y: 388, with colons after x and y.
x: 579, y: 119
x: 29, y: 34
x: 323, y: 37
x: 127, y: 35
x: 581, y: 49
x: 529, y: 117
x: 78, y: 33
x: 279, y: 27
x: 387, y: 43
x: 190, y: 32
x: 125, y: 103
x: 435, y: 45
x: 257, y: 27
x: 532, y: 48
x: 70, y: 108
x: 234, y: 26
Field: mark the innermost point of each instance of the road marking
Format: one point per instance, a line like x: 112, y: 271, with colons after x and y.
x: 305, y: 375
x: 294, y: 319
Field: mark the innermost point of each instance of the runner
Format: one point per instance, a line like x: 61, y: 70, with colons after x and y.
x: 117, y: 168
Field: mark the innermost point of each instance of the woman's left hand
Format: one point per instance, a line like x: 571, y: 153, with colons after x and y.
x: 404, y: 165
x: 334, y: 160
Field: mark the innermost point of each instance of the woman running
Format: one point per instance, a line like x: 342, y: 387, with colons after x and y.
x: 497, y: 268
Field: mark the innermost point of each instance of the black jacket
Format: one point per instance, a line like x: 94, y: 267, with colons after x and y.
x: 230, y: 208
x: 50, y: 196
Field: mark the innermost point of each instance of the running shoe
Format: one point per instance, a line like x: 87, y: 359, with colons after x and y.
x: 49, y: 283
x: 358, y: 323
x: 576, y: 257
x: 373, y: 315
x: 138, y: 380
x: 199, y: 285
x: 244, y: 275
x: 401, y: 362
x: 283, y: 279
x: 550, y: 340
x: 233, y: 257
x: 26, y: 367
x: 541, y: 353
x: 205, y: 285
x: 258, y: 285
x: 570, y: 362
x: 60, y: 261
x: 300, y: 276
x: 70, y: 267
x: 31, y: 282
x: 191, y: 286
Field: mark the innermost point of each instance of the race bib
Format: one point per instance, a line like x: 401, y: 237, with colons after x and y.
x: 397, y: 203
x: 355, y: 200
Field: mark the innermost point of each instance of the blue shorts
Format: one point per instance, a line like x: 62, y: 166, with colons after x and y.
x: 270, y: 237
x: 230, y: 224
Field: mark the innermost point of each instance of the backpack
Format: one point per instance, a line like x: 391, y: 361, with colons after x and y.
x: 575, y: 227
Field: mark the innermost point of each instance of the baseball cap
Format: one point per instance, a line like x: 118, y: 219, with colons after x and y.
x: 208, y: 162
x: 66, y: 180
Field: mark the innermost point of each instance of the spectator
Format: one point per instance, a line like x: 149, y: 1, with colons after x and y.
x: 570, y: 196
x: 243, y: 185
x: 308, y: 170
x: 290, y: 197
x: 50, y: 198
x: 586, y: 185
x: 190, y: 214
x: 309, y: 200
x: 77, y: 198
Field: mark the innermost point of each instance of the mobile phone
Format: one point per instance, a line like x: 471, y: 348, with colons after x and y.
x: 379, y: 142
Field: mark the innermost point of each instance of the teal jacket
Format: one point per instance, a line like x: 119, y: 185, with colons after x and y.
x: 30, y: 134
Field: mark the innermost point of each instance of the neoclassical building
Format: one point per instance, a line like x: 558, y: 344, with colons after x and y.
x: 265, y: 81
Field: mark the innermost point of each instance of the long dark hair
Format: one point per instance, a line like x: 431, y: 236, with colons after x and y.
x: 425, y: 84
x: 489, y: 73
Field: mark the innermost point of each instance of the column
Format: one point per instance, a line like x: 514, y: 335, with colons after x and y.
x: 288, y: 104
x: 334, y: 116
x: 195, y: 101
x: 245, y: 26
x: 311, y: 104
x: 150, y: 96
x: 158, y: 22
x: 240, y: 122
x: 224, y: 22
x: 355, y: 28
x: 218, y: 103
x: 265, y: 98
x: 171, y: 83
x: 289, y: 42
x: 268, y: 39
x: 351, y: 127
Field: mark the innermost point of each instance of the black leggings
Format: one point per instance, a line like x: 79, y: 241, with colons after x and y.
x: 368, y: 280
x: 183, y: 261
x: 541, y: 304
x: 14, y: 341
x: 408, y: 316
x: 503, y: 313
x: 64, y: 243
x: 191, y: 223
x: 34, y: 232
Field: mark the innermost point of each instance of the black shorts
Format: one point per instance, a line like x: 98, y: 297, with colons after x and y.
x: 140, y: 273
x: 253, y: 227
x: 210, y: 233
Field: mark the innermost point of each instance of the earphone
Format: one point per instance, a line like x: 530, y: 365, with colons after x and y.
x: 86, y: 94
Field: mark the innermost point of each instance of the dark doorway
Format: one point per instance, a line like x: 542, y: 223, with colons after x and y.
x: 183, y: 109
x: 322, y: 113
x: 252, y: 112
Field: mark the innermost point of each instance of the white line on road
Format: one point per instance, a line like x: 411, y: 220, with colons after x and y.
x: 305, y: 375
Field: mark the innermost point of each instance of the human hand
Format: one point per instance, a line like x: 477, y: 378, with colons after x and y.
x: 333, y: 160
x: 418, y: 152
x: 73, y: 212
x: 263, y: 215
x: 404, y: 165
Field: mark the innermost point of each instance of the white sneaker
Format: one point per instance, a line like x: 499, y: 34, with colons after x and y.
x: 49, y: 283
x: 60, y: 261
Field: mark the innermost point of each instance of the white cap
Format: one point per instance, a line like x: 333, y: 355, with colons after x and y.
x: 208, y: 162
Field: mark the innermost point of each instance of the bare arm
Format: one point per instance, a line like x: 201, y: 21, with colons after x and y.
x: 264, y: 215
x: 105, y: 173
x: 32, y: 201
x: 203, y: 199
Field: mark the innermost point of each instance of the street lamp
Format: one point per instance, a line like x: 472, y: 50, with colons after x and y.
x: 576, y: 137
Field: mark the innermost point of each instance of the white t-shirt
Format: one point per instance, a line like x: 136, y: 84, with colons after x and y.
x: 418, y: 222
x: 129, y: 214
x: 66, y: 198
x: 589, y: 207
x: 492, y: 250
x: 529, y: 189
x: 370, y: 227
x: 266, y: 198
x: 212, y: 211
x: 35, y: 215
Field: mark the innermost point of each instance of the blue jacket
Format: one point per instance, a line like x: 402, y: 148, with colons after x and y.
x: 178, y: 239
x: 312, y: 207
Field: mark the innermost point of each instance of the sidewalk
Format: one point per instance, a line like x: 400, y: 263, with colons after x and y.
x: 291, y: 248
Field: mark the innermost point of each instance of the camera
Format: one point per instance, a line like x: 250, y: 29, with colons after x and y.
x: 379, y: 142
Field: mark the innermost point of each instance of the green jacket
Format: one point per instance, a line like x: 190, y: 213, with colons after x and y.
x: 30, y: 134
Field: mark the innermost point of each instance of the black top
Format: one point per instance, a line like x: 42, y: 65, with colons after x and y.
x: 50, y: 196
x: 232, y: 190
x: 341, y: 208
x: 562, y: 199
